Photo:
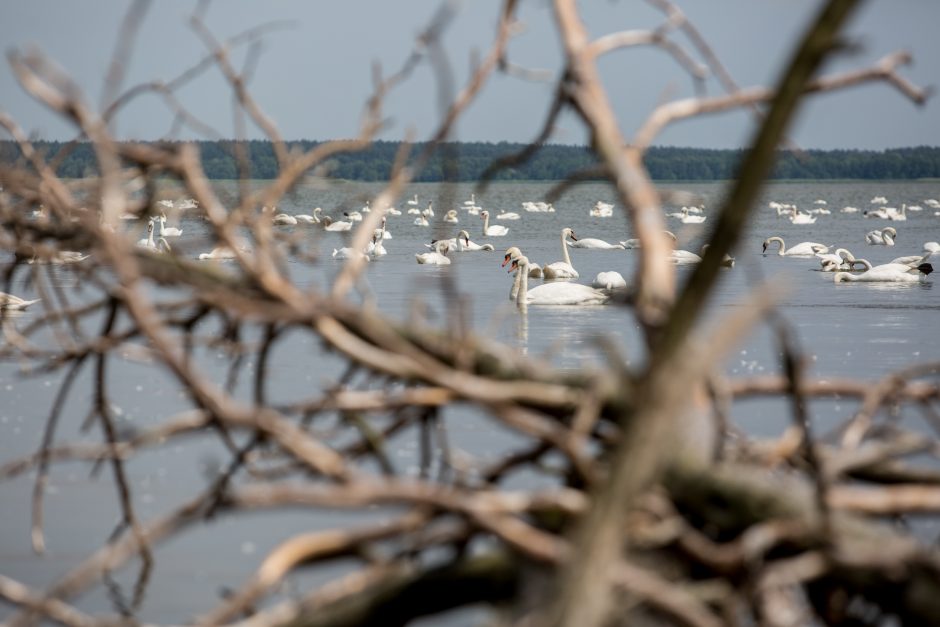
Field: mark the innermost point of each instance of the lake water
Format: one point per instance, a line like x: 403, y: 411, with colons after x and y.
x: 847, y: 330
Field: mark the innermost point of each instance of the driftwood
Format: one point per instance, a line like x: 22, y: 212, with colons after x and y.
x: 658, y: 511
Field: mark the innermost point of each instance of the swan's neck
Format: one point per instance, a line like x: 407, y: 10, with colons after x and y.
x: 486, y: 223
x: 522, y: 292
x: 888, y: 238
x: 516, y: 282
x: 564, y: 249
x: 783, y: 247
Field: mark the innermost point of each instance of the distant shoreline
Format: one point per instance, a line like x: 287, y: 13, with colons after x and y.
x: 468, y: 161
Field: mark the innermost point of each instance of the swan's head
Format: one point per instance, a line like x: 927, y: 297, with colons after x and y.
x: 520, y: 264
x: 484, y: 214
x: 889, y: 230
x: 511, y: 254
x: 569, y: 232
x: 925, y: 268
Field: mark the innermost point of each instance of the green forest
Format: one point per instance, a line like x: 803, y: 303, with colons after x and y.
x: 467, y: 161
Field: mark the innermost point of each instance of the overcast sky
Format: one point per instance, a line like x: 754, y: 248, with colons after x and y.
x: 314, y: 75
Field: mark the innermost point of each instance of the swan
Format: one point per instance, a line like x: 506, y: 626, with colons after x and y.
x: 219, y: 252
x: 348, y: 253
x: 421, y: 221
x: 879, y: 200
x: 535, y: 270
x: 463, y: 243
x: 636, y: 243
x: 14, y: 303
x: 451, y: 217
x: 470, y: 203
x: 165, y: 203
x: 849, y: 209
x: 877, y: 213
x: 839, y: 260
x: 147, y: 242
x: 537, y: 207
x: 803, y: 249
x: 897, y: 216
x: 820, y: 211
x: 883, y: 237
x: 353, y: 216
x: 595, y: 244
x: 61, y: 257
x: 819, y: 201
x: 284, y: 219
x: 562, y: 269
x: 496, y: 230
x: 376, y: 246
x: 367, y: 208
x: 608, y: 280
x: 313, y: 218
x: 602, y: 210
x: 413, y: 201
x: 335, y: 227
x: 931, y: 247
x: 166, y: 231
x: 933, y: 203
x: 437, y: 257
x: 392, y: 211
x: 429, y: 212
x: 684, y: 257
x: 888, y: 273
x: 910, y: 260
x: 688, y: 218
x: 552, y: 293
x: 508, y: 215
x: 798, y: 217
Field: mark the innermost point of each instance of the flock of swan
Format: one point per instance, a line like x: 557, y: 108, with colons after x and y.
x: 559, y: 286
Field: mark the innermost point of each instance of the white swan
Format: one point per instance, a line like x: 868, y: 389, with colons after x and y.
x: 463, y: 243
x: 284, y: 219
x: 849, y: 209
x: 553, y: 293
x: 888, y: 273
x: 609, y: 280
x: 309, y: 218
x: 451, y: 217
x: 595, y: 244
x: 879, y: 200
x: 877, y: 213
x: 429, y: 212
x: 798, y: 217
x: 437, y: 257
x: 421, y: 221
x: 688, y: 218
x: 414, y: 201
x: 367, y: 208
x: 170, y: 231
x: 376, y: 247
x: 535, y: 270
x: 684, y: 257
x: 353, y: 216
x: 897, y: 216
x: 147, y: 242
x: 636, y: 243
x: 14, y: 303
x: 508, y: 215
x: 348, y: 253
x: 336, y: 227
x: 219, y: 252
x: 472, y: 202
x: 562, y: 269
x: 602, y: 210
x: 61, y: 257
x: 931, y: 247
x: 883, y: 237
x: 803, y: 249
x: 392, y: 211
x: 839, y: 260
x: 496, y: 230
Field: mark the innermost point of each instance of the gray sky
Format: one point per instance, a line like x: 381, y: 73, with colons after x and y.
x: 313, y: 77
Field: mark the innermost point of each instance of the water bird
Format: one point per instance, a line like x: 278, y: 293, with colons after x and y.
x: 552, y: 293
x: 803, y: 249
x: 495, y: 230
x: 882, y: 237
x: 602, y: 210
x: 562, y: 269
x: 437, y: 257
x: 168, y: 231
x: 887, y: 273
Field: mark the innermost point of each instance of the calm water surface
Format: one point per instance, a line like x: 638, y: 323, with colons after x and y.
x: 855, y: 330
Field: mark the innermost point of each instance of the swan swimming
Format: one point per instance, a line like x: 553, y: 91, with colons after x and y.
x: 463, y: 243
x: 495, y: 230
x: 376, y: 247
x: 348, y: 253
x: 14, y: 303
x: 595, y: 244
x: 636, y: 243
x: 883, y: 237
x: 887, y: 273
x: 803, y: 249
x: 602, y: 210
x: 552, y: 293
x: 562, y: 269
x: 508, y: 215
x: 336, y: 227
x: 609, y: 280
x: 451, y: 217
x: 437, y: 257
x: 166, y: 231
x: 839, y: 260
x: 535, y: 270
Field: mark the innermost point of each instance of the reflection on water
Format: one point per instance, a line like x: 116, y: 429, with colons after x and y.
x: 847, y: 330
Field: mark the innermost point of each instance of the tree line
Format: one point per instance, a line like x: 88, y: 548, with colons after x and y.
x: 467, y: 161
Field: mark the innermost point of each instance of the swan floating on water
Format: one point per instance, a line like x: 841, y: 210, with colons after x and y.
x: 168, y: 231
x: 336, y: 227
x: 348, y: 253
x: 552, y: 293
x: 15, y: 303
x: 451, y: 217
x: 495, y: 230
x: 803, y: 249
x: 602, y: 210
x: 839, y: 260
x: 882, y: 237
x: 887, y: 273
x: 437, y: 257
x: 508, y: 215
x: 464, y: 245
x: 562, y: 269
x: 609, y: 280
x: 595, y: 244
x: 376, y: 247
x: 535, y: 270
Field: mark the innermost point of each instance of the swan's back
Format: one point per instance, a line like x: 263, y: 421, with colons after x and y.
x: 565, y: 294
